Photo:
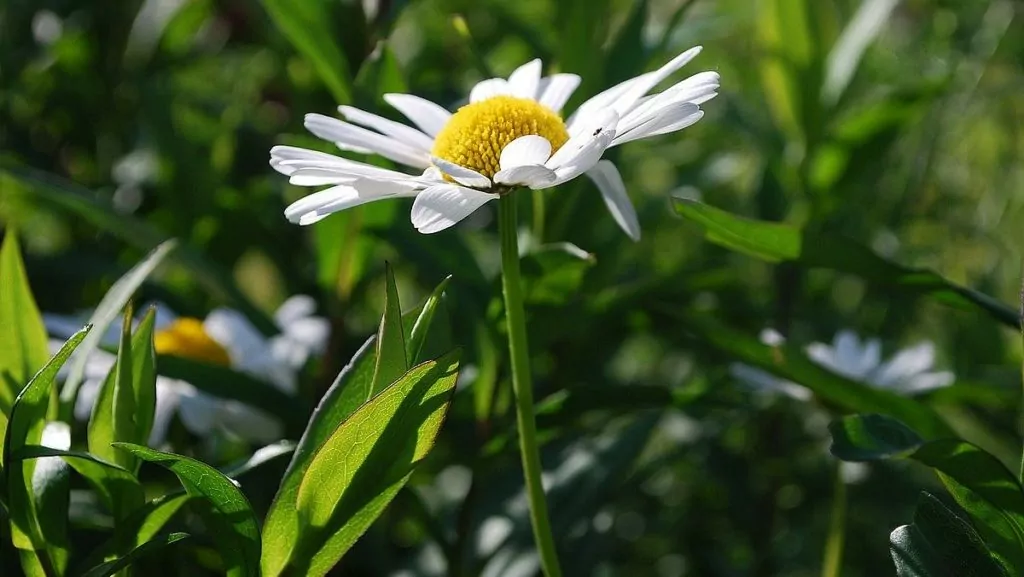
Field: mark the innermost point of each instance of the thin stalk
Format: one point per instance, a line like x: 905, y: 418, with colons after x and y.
x: 538, y: 216
x: 522, y: 385
x: 1020, y: 418
x: 832, y: 566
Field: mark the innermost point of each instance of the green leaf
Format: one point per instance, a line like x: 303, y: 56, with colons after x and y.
x: 156, y: 544
x: 792, y: 364
x: 113, y: 414
x: 144, y: 377
x: 776, y: 242
x: 140, y: 527
x: 23, y: 343
x: 30, y: 532
x: 914, y: 555
x: 364, y: 463
x: 979, y: 482
x: 420, y: 337
x: 392, y: 362
x: 940, y: 544
x: 352, y: 387
x: 306, y: 24
x: 232, y: 522
x: 113, y: 303
x: 117, y: 488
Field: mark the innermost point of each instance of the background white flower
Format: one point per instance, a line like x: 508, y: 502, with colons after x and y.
x: 510, y: 134
x: 909, y: 372
x: 226, y: 337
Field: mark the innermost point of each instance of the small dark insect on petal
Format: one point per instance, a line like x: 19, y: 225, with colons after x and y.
x: 598, y: 131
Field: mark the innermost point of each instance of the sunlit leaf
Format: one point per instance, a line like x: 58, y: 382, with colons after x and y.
x: 37, y: 536
x: 116, y: 416
x: 23, y: 343
x: 352, y: 387
x: 364, y: 463
x: 391, y: 356
x: 117, y: 488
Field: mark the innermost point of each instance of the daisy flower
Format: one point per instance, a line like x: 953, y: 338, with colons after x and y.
x: 511, y: 134
x: 909, y: 372
x: 225, y: 337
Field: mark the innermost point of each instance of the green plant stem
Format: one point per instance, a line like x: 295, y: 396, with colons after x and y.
x: 1020, y: 415
x: 523, y: 386
x: 538, y: 216
x: 832, y: 565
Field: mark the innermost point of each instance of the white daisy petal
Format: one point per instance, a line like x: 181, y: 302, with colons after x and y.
x: 595, y: 126
x: 320, y: 204
x: 351, y: 137
x: 396, y: 130
x: 675, y: 117
x: 555, y: 90
x: 601, y: 101
x: 534, y: 176
x: 525, y: 150
x: 429, y: 117
x: 441, y: 206
x: 608, y: 180
x: 461, y: 174
x: 679, y: 125
x: 583, y: 150
x: 294, y: 309
x: 336, y: 165
x: 368, y: 191
x: 167, y: 397
x: 199, y: 412
x: 281, y: 158
x: 624, y: 103
x: 489, y: 88
x: 585, y: 158
x: 697, y: 89
x: 232, y: 330
x: 524, y: 80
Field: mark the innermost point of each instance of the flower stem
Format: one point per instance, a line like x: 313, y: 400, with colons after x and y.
x: 522, y: 385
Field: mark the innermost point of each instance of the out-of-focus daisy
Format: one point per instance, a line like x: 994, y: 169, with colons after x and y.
x: 511, y: 134
x: 225, y: 337
x: 909, y: 372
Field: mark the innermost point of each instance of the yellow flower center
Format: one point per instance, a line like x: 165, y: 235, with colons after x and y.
x: 477, y: 132
x: 186, y: 338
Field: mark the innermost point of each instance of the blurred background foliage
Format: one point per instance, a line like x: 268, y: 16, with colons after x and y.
x: 894, y: 123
